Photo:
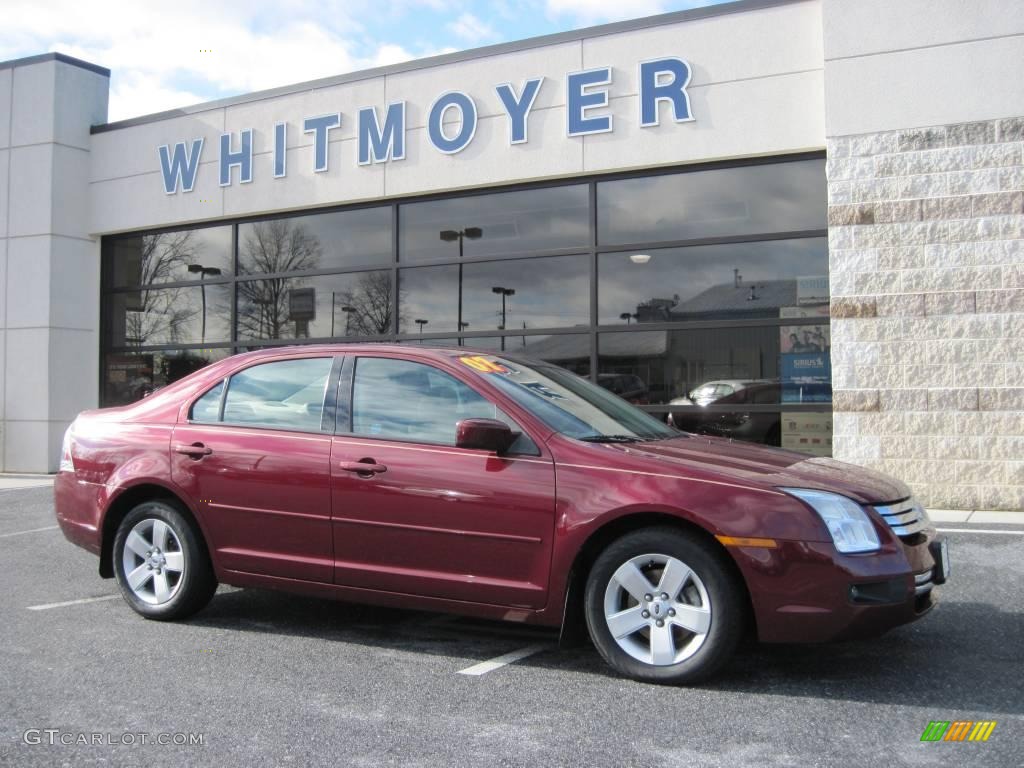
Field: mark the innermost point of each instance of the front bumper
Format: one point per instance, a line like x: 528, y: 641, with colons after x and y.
x: 806, y: 592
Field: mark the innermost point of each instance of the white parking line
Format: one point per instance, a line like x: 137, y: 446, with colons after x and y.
x: 33, y: 530
x: 500, y: 661
x: 47, y: 606
x: 978, y: 530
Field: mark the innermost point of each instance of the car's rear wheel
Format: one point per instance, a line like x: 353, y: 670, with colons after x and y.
x: 662, y: 606
x: 161, y: 564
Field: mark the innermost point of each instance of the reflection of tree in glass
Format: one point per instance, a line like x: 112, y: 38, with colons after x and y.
x: 158, y: 316
x: 370, y: 300
x: 272, y: 247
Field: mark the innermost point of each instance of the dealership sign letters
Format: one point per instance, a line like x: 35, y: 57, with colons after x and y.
x: 381, y: 135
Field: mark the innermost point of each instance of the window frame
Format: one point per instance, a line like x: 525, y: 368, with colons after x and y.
x: 327, y: 413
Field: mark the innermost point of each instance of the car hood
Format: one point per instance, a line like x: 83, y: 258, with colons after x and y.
x: 764, y: 466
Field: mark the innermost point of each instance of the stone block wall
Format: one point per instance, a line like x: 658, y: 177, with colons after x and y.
x: 927, y: 276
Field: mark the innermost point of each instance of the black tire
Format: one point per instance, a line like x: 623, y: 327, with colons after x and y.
x: 191, y: 588
x: 719, y: 592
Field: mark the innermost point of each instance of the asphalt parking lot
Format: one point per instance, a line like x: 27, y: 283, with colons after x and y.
x: 272, y: 679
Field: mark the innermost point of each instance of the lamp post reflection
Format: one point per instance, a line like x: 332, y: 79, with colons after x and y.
x: 504, y: 293
x: 203, y: 272
x: 264, y: 330
x: 450, y: 236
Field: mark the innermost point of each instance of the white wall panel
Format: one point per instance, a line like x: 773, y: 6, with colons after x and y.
x: 925, y: 86
x: 865, y: 27
x: 28, y: 287
x: 30, y: 201
x: 27, y: 375
x: 139, y: 201
x: 478, y: 78
x: 5, y: 161
x: 261, y: 115
x: 129, y: 152
x: 755, y: 44
x: 742, y: 119
x: 34, y: 90
x: 5, y: 106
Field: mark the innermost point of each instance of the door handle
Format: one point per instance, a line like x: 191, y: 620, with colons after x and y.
x: 365, y: 467
x: 195, y: 450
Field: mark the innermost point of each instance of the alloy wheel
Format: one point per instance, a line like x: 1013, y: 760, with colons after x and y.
x: 657, y: 609
x: 154, y: 561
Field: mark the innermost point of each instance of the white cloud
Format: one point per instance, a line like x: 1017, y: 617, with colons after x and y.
x: 165, y: 56
x: 472, y: 29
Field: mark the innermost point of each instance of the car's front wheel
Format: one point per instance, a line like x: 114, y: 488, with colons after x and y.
x: 161, y: 564
x: 663, y: 607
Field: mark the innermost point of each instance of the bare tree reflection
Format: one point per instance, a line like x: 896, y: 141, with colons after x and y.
x: 371, y: 302
x: 274, y: 246
x: 158, y: 316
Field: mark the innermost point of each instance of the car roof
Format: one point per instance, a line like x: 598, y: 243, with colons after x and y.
x: 416, y: 350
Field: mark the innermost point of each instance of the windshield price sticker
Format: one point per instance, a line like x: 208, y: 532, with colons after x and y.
x: 483, y: 365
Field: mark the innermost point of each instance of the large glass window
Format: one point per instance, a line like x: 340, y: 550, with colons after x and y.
x: 287, y: 393
x: 731, y: 382
x: 162, y: 316
x: 712, y: 282
x: 699, y: 294
x: 725, y: 202
x: 325, y: 306
x: 495, y: 225
x: 169, y: 257
x: 129, y: 376
x: 547, y: 292
x: 326, y: 241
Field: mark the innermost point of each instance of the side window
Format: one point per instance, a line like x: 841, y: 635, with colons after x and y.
x: 412, y: 401
x: 286, y: 393
x: 207, y: 407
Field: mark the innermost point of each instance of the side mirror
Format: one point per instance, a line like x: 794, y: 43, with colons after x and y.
x: 484, y: 434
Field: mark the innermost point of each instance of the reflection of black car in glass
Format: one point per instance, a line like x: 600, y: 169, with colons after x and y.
x: 692, y: 416
x: 626, y: 385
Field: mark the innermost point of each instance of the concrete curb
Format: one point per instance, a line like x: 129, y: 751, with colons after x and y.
x: 976, y: 516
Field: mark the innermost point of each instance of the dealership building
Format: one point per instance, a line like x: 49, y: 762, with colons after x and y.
x: 806, y: 214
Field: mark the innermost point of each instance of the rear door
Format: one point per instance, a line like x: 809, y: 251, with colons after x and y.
x: 255, y: 458
x: 426, y: 517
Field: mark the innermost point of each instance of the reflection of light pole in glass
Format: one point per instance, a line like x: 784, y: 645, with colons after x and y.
x: 348, y: 317
x: 421, y: 322
x: 262, y: 303
x: 504, y: 293
x: 450, y: 236
x: 203, y: 272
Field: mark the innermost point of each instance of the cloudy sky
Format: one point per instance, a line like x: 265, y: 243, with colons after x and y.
x: 171, y: 54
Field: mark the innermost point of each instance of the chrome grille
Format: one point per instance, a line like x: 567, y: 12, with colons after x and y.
x: 905, y: 517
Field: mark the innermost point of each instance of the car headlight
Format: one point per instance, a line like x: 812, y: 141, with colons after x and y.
x: 849, y: 525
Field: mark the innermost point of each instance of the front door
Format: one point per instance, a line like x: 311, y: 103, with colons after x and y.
x: 428, y: 518
x: 257, y: 464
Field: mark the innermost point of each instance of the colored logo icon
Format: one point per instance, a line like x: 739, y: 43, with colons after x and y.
x: 958, y: 730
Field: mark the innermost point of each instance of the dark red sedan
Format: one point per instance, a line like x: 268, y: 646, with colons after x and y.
x: 492, y: 486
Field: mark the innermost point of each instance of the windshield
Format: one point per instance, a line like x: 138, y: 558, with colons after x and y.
x: 567, y: 403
